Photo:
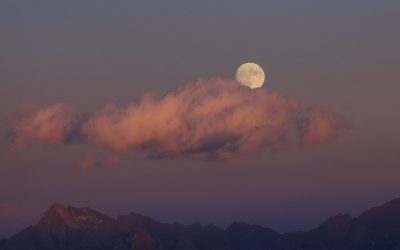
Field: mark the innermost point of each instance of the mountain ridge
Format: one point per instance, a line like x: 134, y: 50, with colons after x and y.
x: 69, y: 228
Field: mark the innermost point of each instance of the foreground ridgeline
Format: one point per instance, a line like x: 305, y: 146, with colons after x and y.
x: 68, y: 228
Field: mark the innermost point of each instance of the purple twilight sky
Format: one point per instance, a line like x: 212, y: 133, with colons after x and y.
x: 86, y: 54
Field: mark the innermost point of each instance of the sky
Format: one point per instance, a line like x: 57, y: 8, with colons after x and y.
x: 343, y: 55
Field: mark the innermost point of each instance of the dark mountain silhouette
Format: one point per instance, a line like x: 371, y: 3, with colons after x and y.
x: 68, y: 228
x: 331, y: 234
x: 245, y: 236
x: 377, y: 228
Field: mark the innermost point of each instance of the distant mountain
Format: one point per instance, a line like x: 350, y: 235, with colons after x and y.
x: 245, y: 236
x: 377, y: 228
x: 69, y: 228
x: 331, y: 234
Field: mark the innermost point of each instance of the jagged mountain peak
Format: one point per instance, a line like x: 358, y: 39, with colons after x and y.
x: 69, y: 228
x: 136, y: 220
x: 333, y: 230
x: 58, y: 215
x: 135, y: 215
x: 389, y: 211
x: 337, y: 222
x: 394, y: 202
x: 57, y: 205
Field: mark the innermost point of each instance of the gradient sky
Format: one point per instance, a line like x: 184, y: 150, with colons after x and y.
x: 341, y: 54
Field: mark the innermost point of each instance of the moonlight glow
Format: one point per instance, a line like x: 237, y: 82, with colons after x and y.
x: 250, y: 75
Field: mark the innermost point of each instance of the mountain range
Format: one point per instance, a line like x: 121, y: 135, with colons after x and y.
x: 69, y: 228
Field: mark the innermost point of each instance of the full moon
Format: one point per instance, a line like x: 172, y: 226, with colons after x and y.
x: 250, y: 75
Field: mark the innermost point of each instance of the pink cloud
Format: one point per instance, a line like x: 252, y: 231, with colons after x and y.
x: 216, y: 117
x: 52, y: 124
x: 205, y: 119
x: 318, y: 125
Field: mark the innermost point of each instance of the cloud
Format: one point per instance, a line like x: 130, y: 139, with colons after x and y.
x: 318, y: 125
x: 54, y: 124
x: 205, y: 119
